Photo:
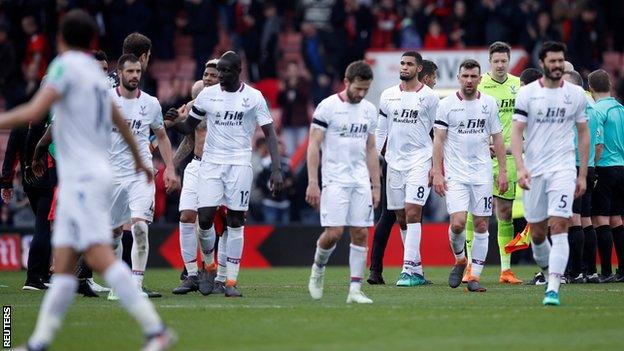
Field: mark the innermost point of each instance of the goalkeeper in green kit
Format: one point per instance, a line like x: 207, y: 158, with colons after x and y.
x: 503, y: 86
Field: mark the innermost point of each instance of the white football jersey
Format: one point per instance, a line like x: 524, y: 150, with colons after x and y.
x: 142, y: 113
x: 406, y: 119
x: 347, y: 127
x: 550, y: 116
x: 231, y: 120
x: 469, y: 125
x: 82, y: 117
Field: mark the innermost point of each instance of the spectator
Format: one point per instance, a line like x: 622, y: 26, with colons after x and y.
x: 37, y: 49
x: 294, y: 102
x: 126, y: 16
x: 537, y: 33
x: 202, y: 25
x: 410, y: 38
x: 387, y: 23
x: 440, y: 9
x: 9, y: 75
x: 435, y: 38
x: 276, y: 209
x: 353, y: 24
x: 461, y: 29
x: 269, y: 40
x: 163, y: 26
x: 248, y: 27
x: 315, y: 55
x: 586, y: 43
x: 317, y: 13
x: 495, y: 17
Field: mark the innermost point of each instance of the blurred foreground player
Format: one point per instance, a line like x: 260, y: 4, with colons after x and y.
x: 85, y: 114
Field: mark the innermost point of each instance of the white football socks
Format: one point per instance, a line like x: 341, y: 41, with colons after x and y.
x: 234, y: 252
x: 357, y: 263
x: 541, y: 252
x: 207, y: 240
x: 403, y: 235
x: 479, y: 253
x: 458, y: 242
x: 119, y: 279
x: 118, y: 245
x: 140, y: 250
x: 411, y: 251
x: 321, y: 256
x: 188, y: 247
x: 557, y: 260
x: 52, y: 312
x: 222, y: 258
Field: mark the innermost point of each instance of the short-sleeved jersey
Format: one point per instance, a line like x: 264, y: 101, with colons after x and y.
x: 550, y: 116
x: 405, y: 120
x: 231, y: 119
x: 347, y: 127
x: 611, y: 124
x: 142, y: 113
x: 594, y: 133
x: 469, y: 125
x: 505, y: 95
x: 82, y: 116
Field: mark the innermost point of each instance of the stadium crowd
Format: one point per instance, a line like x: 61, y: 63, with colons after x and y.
x: 330, y: 34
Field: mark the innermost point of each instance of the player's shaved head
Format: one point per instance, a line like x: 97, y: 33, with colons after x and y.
x: 229, y: 67
x: 231, y: 59
x: 568, y: 66
x: 573, y: 77
x: 197, y: 88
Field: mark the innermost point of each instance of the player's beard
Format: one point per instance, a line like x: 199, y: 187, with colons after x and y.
x: 407, y: 77
x: 548, y: 73
x: 354, y: 99
x: 128, y: 86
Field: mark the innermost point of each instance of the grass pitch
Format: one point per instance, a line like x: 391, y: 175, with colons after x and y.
x: 276, y: 313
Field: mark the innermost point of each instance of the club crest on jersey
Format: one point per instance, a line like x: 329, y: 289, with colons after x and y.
x: 353, y: 130
x: 142, y: 112
x: 246, y: 102
x: 567, y: 99
x: 485, y: 110
x: 513, y: 89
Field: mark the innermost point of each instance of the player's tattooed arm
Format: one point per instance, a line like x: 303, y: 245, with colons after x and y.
x: 124, y: 130
x: 313, y: 192
x: 276, y: 182
x: 438, y: 181
x: 372, y: 162
x: 186, y: 147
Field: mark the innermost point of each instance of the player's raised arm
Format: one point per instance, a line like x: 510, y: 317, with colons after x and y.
x: 313, y: 192
x: 372, y: 163
x: 122, y: 127
x: 32, y: 111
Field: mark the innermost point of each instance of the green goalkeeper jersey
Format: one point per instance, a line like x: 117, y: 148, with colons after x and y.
x: 505, y: 95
